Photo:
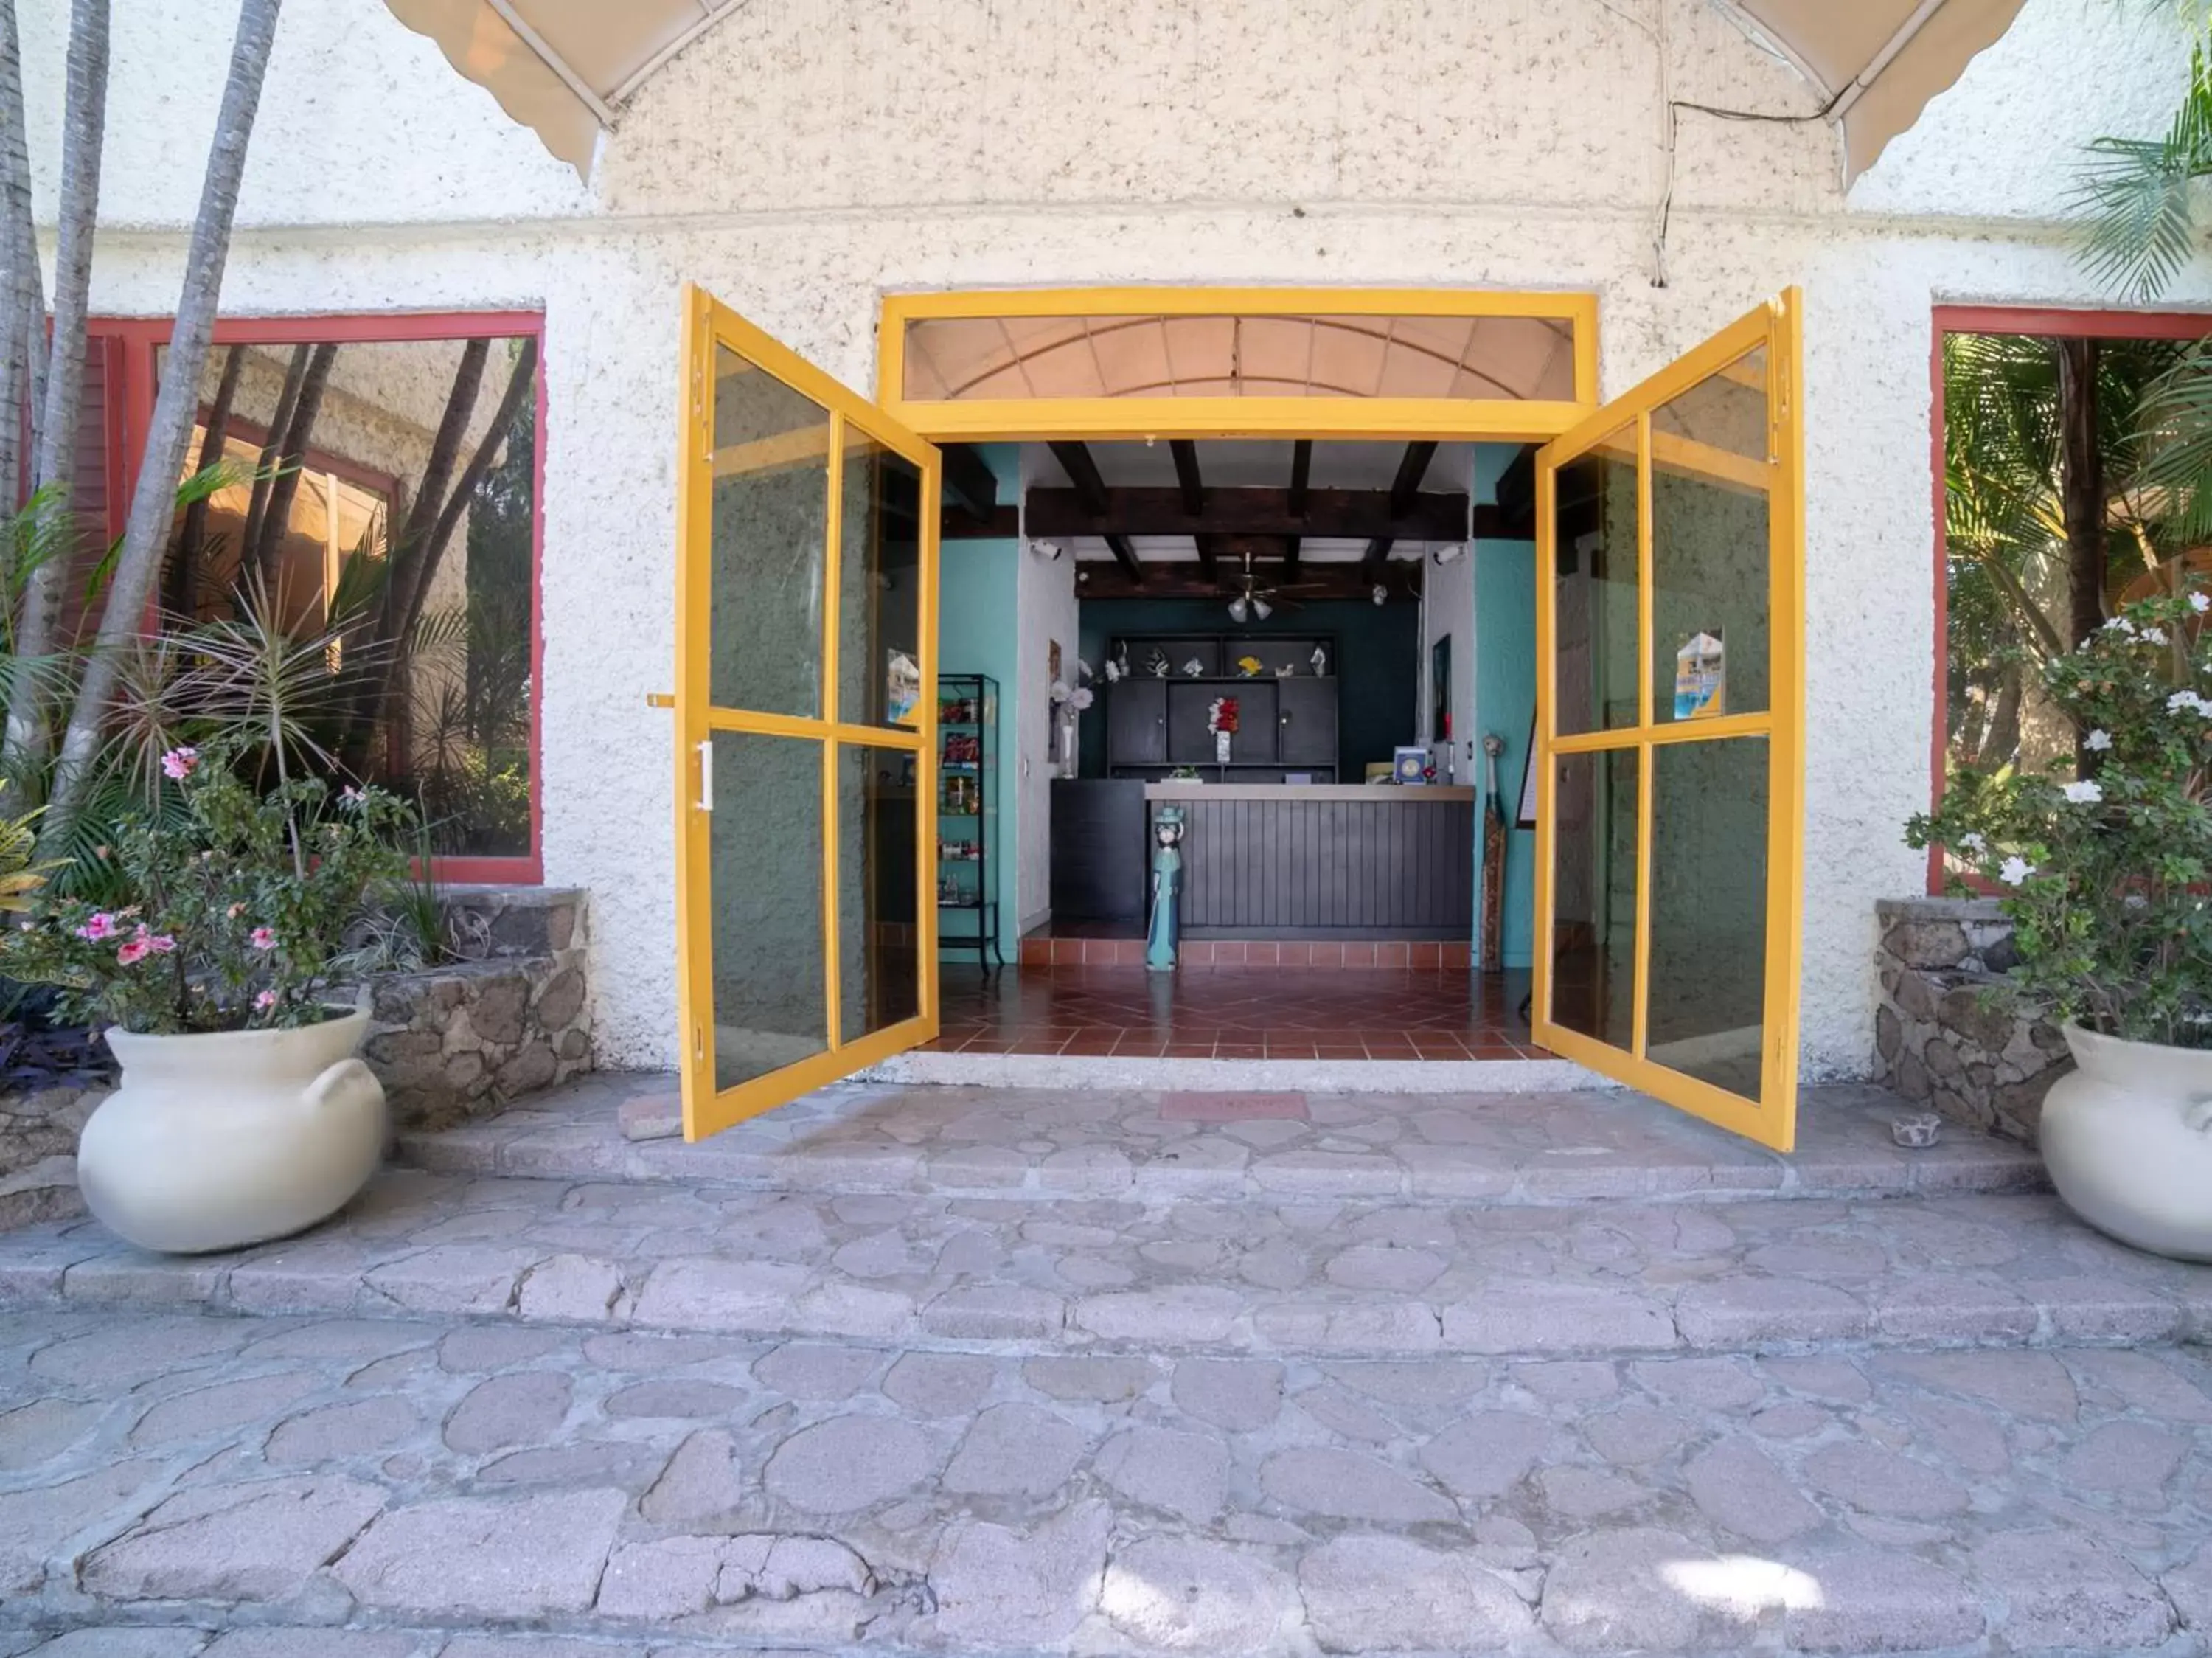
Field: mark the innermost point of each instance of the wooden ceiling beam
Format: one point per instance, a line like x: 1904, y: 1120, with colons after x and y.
x: 1411, y: 470
x: 1345, y: 515
x: 1125, y: 556
x: 1187, y: 476
x: 1301, y: 472
x: 1075, y: 461
x: 1100, y: 579
x: 969, y: 481
x: 1375, y: 558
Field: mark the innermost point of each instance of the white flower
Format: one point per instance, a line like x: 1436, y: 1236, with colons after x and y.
x: 1059, y: 691
x: 2084, y: 793
x: 2016, y: 870
x: 2135, y: 901
x: 2153, y: 635
x: 1972, y: 841
x: 2098, y: 739
x: 2120, y: 625
x: 1081, y: 698
x: 2190, y: 700
x: 2199, y: 603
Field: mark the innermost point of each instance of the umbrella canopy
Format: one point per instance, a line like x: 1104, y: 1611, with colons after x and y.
x: 565, y: 68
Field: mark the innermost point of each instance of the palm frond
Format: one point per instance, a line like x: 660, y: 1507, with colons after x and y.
x: 2138, y: 198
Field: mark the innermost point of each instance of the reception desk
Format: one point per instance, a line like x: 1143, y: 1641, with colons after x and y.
x: 1321, y: 862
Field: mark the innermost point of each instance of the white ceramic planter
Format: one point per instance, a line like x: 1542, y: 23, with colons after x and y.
x: 213, y: 1142
x: 2128, y: 1139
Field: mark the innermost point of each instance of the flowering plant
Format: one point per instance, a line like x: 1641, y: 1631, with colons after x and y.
x: 1221, y: 715
x: 2107, y: 876
x: 238, y: 908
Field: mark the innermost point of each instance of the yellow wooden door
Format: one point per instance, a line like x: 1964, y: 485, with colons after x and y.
x: 1670, y: 731
x: 805, y: 723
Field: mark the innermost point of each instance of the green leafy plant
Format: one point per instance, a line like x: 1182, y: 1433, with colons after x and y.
x: 238, y: 912
x: 2107, y: 876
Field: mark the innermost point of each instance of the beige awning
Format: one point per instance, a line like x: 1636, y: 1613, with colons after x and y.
x: 565, y: 68
x: 1876, y: 62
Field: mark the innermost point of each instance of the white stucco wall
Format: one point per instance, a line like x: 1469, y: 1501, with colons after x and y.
x: 1045, y: 611
x: 801, y: 161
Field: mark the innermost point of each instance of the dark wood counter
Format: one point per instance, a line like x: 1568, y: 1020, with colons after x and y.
x: 1344, y: 861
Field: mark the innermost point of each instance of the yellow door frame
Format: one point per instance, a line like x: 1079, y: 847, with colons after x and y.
x: 1107, y: 418
x: 1776, y: 326
x: 707, y: 323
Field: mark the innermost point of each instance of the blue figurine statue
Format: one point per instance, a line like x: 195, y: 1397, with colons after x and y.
x: 1167, y: 870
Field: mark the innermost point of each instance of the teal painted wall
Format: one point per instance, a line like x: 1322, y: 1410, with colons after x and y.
x: 1505, y: 693
x: 1377, y: 660
x: 977, y: 632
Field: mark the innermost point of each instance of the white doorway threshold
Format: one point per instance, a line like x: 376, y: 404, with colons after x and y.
x: 1046, y: 1070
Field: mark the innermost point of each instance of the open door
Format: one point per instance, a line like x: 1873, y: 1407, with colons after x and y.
x: 1670, y: 731
x: 806, y: 716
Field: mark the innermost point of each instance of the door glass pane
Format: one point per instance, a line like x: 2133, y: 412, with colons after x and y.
x: 878, y: 917
x: 771, y: 1004
x: 1708, y: 965
x: 1710, y: 552
x: 879, y: 586
x: 770, y: 527
x: 1593, y: 895
x: 1594, y: 587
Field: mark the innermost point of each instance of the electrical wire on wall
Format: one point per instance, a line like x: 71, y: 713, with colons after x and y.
x: 1671, y: 109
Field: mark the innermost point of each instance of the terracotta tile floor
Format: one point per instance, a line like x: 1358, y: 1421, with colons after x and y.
x: 1236, y: 1014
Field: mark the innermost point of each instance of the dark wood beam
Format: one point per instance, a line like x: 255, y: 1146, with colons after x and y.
x: 1517, y: 494
x: 1209, y: 555
x: 1301, y: 471
x: 1186, y: 479
x: 1127, y: 556
x: 1097, y: 578
x: 1411, y: 470
x: 1082, y: 472
x: 1290, y: 550
x: 1347, y: 515
x: 1373, y: 562
x: 958, y: 524
x: 969, y: 482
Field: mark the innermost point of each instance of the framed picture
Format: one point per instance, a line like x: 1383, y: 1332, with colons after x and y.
x: 1440, y: 701
x: 1527, y: 816
x: 1052, y: 721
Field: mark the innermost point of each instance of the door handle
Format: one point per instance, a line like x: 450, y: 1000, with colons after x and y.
x: 706, y: 801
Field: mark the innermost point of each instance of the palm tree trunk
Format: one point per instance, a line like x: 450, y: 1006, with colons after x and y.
x: 22, y: 296
x: 84, y: 127
x: 280, y: 422
x: 2082, y: 500
x: 260, y: 556
x: 169, y: 433
x: 181, y: 597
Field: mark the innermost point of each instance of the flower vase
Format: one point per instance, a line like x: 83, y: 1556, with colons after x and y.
x: 1221, y: 748
x: 1069, y: 760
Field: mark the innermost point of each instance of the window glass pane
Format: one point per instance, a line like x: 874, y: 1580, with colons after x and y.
x: 1711, y: 555
x: 952, y: 359
x: 1593, y: 895
x: 879, y: 586
x: 878, y: 920
x: 413, y: 561
x: 1594, y: 619
x: 770, y: 525
x: 1707, y: 1012
x: 770, y: 984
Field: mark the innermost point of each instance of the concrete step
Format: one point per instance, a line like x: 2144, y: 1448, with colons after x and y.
x: 1299, y: 1274
x: 1154, y: 1146
x: 201, y: 1487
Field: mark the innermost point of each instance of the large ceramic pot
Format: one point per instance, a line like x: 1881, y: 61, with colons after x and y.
x: 2128, y: 1138
x: 216, y: 1141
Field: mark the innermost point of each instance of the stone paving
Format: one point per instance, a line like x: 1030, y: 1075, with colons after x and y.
x: 926, y: 1371
x: 443, y: 1479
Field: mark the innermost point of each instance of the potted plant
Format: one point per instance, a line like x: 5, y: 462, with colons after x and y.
x: 2106, y: 876
x: 228, y: 920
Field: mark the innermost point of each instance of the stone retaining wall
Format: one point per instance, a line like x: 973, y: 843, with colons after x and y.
x: 451, y: 1042
x: 1938, y: 1038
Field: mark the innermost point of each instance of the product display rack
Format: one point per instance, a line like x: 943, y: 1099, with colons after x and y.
x: 968, y: 812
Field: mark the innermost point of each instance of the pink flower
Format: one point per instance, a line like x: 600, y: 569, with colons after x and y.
x: 264, y: 938
x: 133, y: 952
x: 179, y: 763
x: 102, y: 925
x: 234, y: 912
x: 265, y: 1001
x: 160, y: 943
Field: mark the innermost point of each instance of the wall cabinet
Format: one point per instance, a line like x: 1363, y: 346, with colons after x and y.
x: 1285, y: 722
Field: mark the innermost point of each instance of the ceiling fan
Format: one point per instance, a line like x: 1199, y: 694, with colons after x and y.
x: 1254, y: 600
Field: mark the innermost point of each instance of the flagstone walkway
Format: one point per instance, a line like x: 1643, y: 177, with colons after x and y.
x: 569, y: 1396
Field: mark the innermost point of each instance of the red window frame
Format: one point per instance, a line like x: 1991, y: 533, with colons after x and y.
x: 133, y: 342
x: 2051, y: 323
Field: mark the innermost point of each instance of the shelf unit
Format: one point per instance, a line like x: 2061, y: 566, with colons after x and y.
x: 968, y: 814
x: 1287, y: 722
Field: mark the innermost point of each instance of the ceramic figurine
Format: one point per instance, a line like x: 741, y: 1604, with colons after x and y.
x: 1320, y: 660
x: 1248, y: 666
x: 1157, y: 663
x: 1285, y: 670
x: 1193, y: 667
x: 1167, y: 865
